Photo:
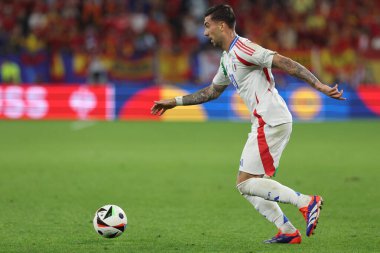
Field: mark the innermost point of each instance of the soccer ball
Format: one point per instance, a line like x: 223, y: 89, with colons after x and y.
x: 110, y: 221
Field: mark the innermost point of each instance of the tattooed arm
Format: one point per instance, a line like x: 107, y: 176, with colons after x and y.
x: 204, y: 95
x: 209, y: 93
x: 295, y: 69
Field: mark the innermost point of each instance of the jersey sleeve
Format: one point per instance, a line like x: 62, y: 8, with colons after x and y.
x: 221, y: 77
x: 253, y: 54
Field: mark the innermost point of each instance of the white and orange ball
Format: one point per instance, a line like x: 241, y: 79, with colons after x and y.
x: 110, y: 221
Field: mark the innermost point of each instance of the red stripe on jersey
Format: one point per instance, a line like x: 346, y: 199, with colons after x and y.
x: 244, y: 51
x: 265, y: 155
x: 246, y: 63
x: 266, y: 74
x: 244, y: 48
x: 250, y: 53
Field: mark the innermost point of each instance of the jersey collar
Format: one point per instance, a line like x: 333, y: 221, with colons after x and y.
x: 233, y: 43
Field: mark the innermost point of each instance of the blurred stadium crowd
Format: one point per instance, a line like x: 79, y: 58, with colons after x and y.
x: 335, y: 38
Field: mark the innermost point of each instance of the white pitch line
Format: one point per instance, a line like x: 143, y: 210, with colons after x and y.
x: 81, y: 124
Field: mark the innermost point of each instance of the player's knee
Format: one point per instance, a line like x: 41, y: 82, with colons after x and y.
x: 243, y: 176
x: 245, y: 182
x: 242, y: 186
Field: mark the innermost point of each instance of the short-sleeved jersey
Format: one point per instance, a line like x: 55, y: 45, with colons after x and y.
x: 248, y: 67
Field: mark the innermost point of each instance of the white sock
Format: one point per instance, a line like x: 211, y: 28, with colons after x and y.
x: 273, y: 190
x: 272, y: 212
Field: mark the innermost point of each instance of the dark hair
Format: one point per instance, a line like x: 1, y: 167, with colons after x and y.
x: 222, y: 12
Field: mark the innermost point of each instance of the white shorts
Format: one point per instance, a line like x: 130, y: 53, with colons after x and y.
x: 263, y: 149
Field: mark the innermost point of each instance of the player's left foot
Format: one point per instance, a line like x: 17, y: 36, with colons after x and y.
x: 311, y: 213
x: 294, y: 238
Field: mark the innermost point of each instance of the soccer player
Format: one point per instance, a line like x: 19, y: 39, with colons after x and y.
x: 248, y: 67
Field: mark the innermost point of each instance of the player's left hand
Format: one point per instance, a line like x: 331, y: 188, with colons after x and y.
x: 333, y: 92
x: 161, y: 106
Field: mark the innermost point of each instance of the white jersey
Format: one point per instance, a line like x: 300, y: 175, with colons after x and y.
x: 248, y: 67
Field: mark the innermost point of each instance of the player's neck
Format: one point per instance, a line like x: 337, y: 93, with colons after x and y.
x: 228, y: 40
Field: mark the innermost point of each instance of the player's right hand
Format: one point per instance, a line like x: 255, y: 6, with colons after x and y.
x: 161, y: 106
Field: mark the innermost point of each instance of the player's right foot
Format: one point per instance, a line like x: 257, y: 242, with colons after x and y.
x: 294, y: 238
x: 311, y: 213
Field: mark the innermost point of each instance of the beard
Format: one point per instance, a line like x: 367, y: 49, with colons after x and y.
x: 215, y: 43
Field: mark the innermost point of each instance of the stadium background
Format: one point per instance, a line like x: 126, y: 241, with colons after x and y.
x: 77, y: 82
x: 110, y: 59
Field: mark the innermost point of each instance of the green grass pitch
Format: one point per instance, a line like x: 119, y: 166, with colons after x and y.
x: 176, y: 182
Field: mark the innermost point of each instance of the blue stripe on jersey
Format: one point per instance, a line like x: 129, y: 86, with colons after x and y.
x: 233, y: 43
x: 232, y: 79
